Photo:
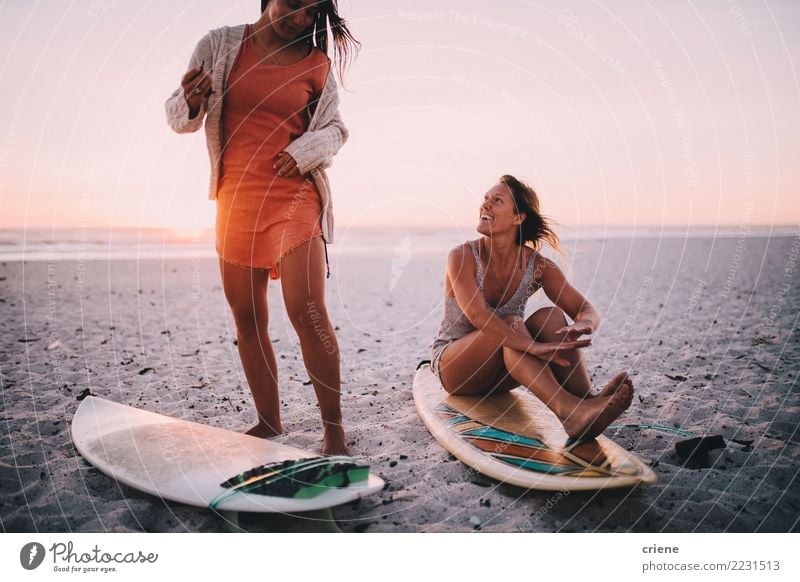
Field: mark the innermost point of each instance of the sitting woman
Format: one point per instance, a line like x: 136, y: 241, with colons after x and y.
x: 486, y: 346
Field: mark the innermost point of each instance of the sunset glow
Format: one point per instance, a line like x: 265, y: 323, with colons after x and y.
x: 623, y: 113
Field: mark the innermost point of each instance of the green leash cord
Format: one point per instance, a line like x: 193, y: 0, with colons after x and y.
x: 660, y: 427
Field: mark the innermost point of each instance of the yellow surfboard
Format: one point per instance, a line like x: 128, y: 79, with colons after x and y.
x: 514, y: 438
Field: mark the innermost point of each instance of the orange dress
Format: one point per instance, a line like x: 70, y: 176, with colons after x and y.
x: 262, y: 216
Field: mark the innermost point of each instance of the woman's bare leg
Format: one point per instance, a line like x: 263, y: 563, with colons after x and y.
x: 475, y: 363
x: 581, y: 417
x: 542, y: 326
x: 303, y: 285
x: 246, y: 292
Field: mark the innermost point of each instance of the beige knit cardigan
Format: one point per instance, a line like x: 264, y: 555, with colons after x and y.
x: 313, y: 151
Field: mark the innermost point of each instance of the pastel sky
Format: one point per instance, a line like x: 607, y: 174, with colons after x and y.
x: 618, y: 112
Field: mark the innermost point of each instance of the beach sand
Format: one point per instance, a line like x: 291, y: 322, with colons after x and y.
x: 706, y: 327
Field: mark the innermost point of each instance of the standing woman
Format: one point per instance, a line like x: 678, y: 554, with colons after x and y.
x: 272, y: 124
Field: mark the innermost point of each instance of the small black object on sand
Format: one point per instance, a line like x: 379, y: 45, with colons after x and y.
x: 82, y: 396
x: 694, y: 451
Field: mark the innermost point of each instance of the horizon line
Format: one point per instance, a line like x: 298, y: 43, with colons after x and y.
x: 409, y: 226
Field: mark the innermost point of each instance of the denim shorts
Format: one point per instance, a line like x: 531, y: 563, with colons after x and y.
x: 438, y: 350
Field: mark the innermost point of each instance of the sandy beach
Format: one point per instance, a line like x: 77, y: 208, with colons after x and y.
x: 707, y: 327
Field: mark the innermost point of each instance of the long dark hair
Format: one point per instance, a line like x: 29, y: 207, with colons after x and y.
x: 345, y: 46
x: 535, y: 227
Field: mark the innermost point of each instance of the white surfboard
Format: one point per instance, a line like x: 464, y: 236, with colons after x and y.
x: 514, y: 438
x: 188, y: 462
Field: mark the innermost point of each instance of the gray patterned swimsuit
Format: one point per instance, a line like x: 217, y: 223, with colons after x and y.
x: 455, y: 324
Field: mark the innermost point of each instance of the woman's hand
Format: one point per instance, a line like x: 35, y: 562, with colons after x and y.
x: 286, y: 166
x: 196, y: 85
x: 576, y: 330
x: 550, y: 351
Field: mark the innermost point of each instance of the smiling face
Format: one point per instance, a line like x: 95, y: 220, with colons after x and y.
x: 498, y: 214
x: 290, y: 18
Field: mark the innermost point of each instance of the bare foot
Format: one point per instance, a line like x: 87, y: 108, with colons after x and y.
x: 629, y: 382
x: 614, y: 384
x: 264, y: 430
x: 333, y: 442
x: 591, y: 417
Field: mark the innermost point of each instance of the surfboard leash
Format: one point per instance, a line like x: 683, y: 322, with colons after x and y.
x: 658, y: 427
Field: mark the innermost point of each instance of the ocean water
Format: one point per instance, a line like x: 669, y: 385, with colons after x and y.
x: 41, y: 244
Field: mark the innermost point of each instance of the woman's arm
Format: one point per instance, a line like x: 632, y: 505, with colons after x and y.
x: 461, y: 273
x: 586, y: 317
x: 316, y: 148
x: 178, y: 112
